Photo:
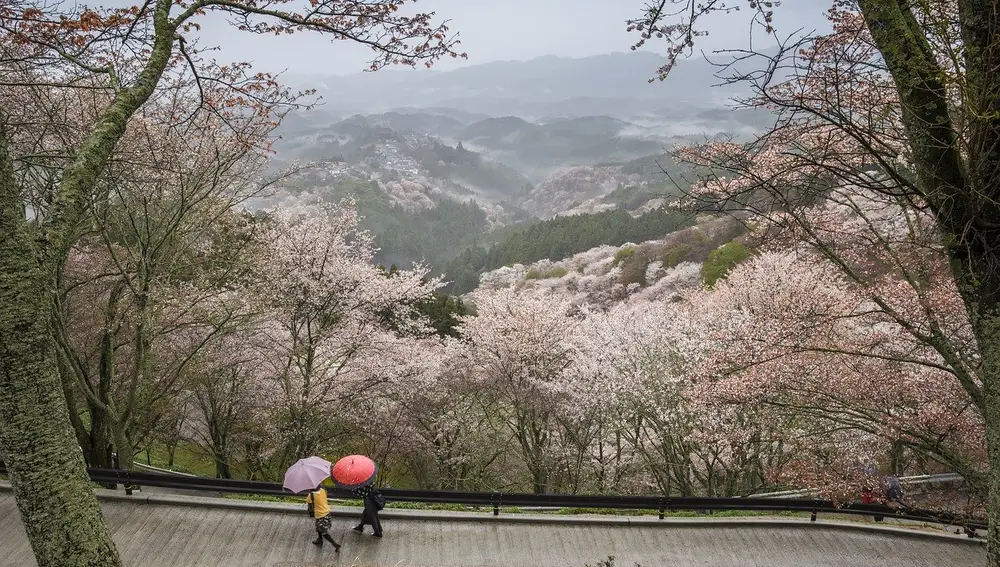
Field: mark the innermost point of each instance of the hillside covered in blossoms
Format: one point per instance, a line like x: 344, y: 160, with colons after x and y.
x: 527, y: 276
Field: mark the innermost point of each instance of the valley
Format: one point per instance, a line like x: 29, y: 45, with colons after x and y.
x: 452, y: 186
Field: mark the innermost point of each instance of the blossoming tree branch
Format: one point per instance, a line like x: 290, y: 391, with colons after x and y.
x: 104, y: 67
x: 893, y: 116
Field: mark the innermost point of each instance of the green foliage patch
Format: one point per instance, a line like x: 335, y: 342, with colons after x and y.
x: 721, y: 260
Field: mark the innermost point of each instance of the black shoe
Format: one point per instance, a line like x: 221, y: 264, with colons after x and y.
x: 319, y: 542
x: 360, y: 529
x: 336, y: 546
x: 377, y: 535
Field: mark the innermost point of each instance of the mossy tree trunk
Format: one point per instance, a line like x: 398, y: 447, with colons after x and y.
x: 45, y: 462
x: 988, y: 333
x: 37, y: 443
x: 961, y: 187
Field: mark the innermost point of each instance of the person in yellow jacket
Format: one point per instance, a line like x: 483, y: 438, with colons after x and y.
x: 319, y: 508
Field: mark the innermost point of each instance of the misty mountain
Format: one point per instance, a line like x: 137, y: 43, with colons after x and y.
x: 536, y: 116
x: 409, y: 221
x: 614, y: 84
x: 538, y: 149
x: 500, y: 154
x: 440, y: 123
x: 637, y: 186
x: 393, y: 147
x: 510, y: 131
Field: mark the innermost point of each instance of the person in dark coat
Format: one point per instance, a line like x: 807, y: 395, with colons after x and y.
x: 893, y: 490
x: 373, y: 503
x: 893, y: 493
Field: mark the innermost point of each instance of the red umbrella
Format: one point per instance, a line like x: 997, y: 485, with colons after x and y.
x: 353, y: 471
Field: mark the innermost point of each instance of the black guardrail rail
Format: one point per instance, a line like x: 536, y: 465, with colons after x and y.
x: 496, y: 500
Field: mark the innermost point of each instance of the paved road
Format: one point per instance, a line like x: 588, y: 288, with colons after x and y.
x: 160, y: 535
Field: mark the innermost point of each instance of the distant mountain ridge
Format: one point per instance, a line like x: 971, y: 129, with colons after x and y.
x: 614, y: 84
x: 396, y: 147
x: 440, y: 163
x: 552, y: 166
x: 539, y: 149
x: 495, y: 157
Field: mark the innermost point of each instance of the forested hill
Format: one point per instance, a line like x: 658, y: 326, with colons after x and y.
x: 432, y: 233
x: 557, y: 239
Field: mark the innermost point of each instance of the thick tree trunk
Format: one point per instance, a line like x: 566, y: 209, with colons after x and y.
x: 978, y: 249
x: 962, y: 190
x: 991, y: 394
x: 980, y: 284
x: 58, y: 508
x: 47, y: 470
x: 124, y: 448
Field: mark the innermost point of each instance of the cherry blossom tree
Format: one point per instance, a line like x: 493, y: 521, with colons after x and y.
x: 233, y: 400
x: 330, y: 311
x: 164, y: 235
x: 119, y: 58
x: 451, y: 443
x: 895, y: 107
x: 375, y: 422
x: 642, y: 357
x: 521, y: 349
x: 792, y: 335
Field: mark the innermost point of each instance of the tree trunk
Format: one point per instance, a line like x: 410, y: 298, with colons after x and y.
x: 58, y: 507
x: 123, y: 447
x: 79, y: 427
x: 961, y: 190
x: 988, y: 337
x: 993, y: 506
x: 220, y: 450
x: 896, y: 458
x: 57, y: 504
x: 978, y: 244
x: 222, y: 468
x: 99, y: 438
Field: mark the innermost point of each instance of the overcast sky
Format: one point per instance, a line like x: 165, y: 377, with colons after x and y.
x: 493, y: 30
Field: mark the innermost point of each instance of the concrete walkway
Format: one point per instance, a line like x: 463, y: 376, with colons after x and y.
x: 159, y: 531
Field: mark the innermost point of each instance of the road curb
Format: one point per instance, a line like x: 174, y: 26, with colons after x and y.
x: 486, y: 517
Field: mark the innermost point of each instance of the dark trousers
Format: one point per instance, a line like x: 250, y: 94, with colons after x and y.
x: 323, y: 530
x: 370, y: 517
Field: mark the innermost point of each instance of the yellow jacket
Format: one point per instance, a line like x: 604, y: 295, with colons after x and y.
x: 320, y: 506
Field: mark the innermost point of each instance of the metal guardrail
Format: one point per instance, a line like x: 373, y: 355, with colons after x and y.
x: 497, y: 500
x: 903, y: 480
x: 158, y: 469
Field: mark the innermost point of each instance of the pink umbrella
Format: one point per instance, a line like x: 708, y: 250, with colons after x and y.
x: 306, y: 474
x: 353, y: 471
